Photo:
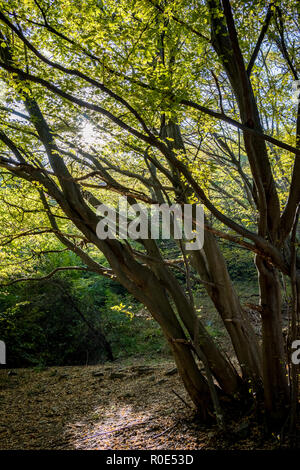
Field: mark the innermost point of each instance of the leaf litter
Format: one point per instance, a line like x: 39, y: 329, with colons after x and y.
x: 118, y: 406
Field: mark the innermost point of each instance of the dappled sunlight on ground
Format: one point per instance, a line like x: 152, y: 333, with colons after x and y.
x: 112, y: 406
x: 117, y: 425
x: 140, y: 411
x: 141, y: 405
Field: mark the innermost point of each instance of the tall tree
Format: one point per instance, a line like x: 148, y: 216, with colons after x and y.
x: 145, y: 78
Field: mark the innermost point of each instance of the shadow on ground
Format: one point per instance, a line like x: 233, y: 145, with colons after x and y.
x: 137, y: 406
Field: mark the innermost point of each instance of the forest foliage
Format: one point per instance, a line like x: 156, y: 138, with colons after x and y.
x: 182, y: 101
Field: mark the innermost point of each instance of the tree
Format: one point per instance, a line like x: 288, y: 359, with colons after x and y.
x: 146, y: 77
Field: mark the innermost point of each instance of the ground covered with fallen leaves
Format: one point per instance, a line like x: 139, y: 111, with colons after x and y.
x: 137, y: 405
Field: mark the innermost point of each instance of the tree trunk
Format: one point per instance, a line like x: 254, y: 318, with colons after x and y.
x: 220, y: 367
x: 140, y: 281
x: 194, y: 382
x: 212, y: 266
x: 275, y: 381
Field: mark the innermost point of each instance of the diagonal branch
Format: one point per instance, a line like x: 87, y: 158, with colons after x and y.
x: 44, y: 278
x: 261, y: 37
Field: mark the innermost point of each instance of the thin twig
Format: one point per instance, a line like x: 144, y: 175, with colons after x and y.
x: 166, y: 430
x: 182, y: 399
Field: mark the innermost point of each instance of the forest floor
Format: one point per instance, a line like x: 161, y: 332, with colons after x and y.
x: 135, y: 404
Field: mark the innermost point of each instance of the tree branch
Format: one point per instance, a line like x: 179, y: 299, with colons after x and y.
x: 44, y: 278
x: 261, y: 37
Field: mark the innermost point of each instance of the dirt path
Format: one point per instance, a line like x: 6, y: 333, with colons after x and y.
x: 121, y: 406
x: 96, y: 407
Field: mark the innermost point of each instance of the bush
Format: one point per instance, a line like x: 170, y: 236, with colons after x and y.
x: 45, y: 328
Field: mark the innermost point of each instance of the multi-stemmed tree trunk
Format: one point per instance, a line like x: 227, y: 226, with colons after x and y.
x: 211, y: 267
x: 225, y: 42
